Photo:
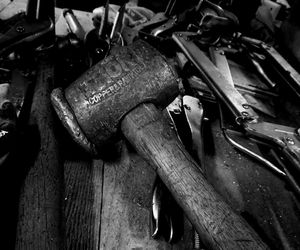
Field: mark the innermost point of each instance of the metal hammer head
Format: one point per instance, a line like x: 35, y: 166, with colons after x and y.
x: 92, y: 107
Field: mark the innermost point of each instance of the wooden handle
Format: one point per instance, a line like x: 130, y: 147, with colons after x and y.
x: 218, y: 226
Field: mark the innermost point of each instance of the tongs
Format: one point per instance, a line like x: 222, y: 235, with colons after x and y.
x: 284, y: 139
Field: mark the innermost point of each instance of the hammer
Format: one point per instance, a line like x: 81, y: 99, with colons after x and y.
x: 121, y: 94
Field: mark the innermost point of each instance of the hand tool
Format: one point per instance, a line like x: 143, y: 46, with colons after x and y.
x: 194, y: 115
x: 208, y: 18
x: 281, y: 67
x: 158, y: 20
x: 218, y: 57
x: 8, y: 120
x: 115, y: 35
x: 73, y: 24
x: 170, y: 7
x: 255, y: 62
x: 186, y: 116
x: 119, y: 94
x: 97, y: 41
x: 284, y: 138
x: 174, y: 20
x: 103, y: 30
x: 25, y: 28
x: 37, y: 201
x: 156, y: 209
x: 175, y: 109
x: 97, y: 47
x: 174, y: 113
x: 167, y: 217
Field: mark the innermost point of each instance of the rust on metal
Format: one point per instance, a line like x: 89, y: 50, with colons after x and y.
x: 130, y: 76
x: 68, y: 119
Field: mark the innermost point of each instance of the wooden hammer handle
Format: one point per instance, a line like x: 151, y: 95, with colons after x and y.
x: 218, y: 226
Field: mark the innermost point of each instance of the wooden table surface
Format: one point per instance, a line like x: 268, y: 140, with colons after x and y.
x: 69, y: 200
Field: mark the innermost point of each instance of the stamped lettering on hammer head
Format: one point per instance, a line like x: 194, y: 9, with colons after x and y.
x: 121, y: 72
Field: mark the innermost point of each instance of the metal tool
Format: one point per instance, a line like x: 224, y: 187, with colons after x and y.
x: 115, y: 35
x: 103, y: 30
x: 170, y: 7
x: 158, y: 19
x: 25, y: 28
x: 174, y: 21
x: 281, y: 67
x: 166, y: 215
x: 175, y: 109
x: 187, y: 110
x: 194, y: 115
x: 99, y: 42
x: 206, y: 17
x: 285, y: 139
x: 255, y: 61
x: 156, y: 209
x: 8, y: 118
x: 109, y: 99
x: 218, y: 57
x: 18, y: 33
x: 96, y: 41
x: 73, y: 24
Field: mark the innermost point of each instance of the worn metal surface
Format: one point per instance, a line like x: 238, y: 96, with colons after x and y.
x: 106, y: 92
x: 221, y: 87
x: 68, y: 119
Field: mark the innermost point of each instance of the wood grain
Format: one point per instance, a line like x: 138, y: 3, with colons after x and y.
x: 218, y: 226
x: 78, y: 204
x: 39, y: 225
x: 108, y: 204
x: 126, y: 205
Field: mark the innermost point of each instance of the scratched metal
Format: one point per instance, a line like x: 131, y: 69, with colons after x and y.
x: 68, y: 119
x: 106, y: 92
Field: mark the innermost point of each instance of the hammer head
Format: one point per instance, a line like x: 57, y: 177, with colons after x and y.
x: 92, y: 107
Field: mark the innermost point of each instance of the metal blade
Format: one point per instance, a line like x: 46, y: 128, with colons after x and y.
x: 40, y: 9
x: 194, y: 115
x: 118, y: 23
x: 170, y: 7
x: 214, y: 78
x: 218, y: 57
x: 104, y: 22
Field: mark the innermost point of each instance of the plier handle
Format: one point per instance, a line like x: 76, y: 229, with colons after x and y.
x: 285, y: 139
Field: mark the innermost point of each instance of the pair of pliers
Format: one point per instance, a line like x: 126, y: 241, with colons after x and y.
x: 185, y: 114
x: 99, y: 41
x: 285, y: 140
x: 167, y: 216
x: 26, y: 28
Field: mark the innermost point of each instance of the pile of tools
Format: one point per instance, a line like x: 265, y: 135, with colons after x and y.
x: 127, y: 71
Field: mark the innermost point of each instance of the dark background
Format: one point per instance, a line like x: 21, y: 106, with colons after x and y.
x: 89, y: 5
x: 245, y: 10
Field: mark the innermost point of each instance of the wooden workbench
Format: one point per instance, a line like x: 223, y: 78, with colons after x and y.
x: 68, y: 200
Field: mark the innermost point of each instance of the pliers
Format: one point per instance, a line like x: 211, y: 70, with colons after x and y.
x: 99, y: 41
x: 26, y: 28
x: 284, y: 140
